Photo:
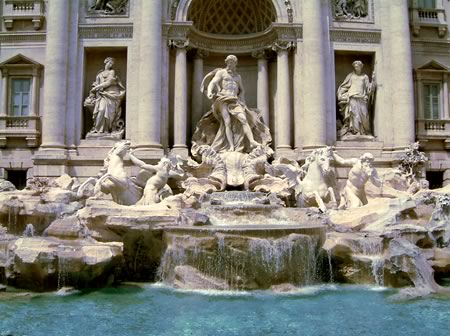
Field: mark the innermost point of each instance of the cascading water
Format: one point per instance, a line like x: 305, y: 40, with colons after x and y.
x: 243, y: 262
x: 372, y: 249
x: 14, y: 207
x: 29, y: 231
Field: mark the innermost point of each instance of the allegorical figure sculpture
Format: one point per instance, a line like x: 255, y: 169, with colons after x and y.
x: 355, y: 95
x: 350, y: 9
x: 115, y: 180
x: 105, y: 98
x: 230, y: 125
x: 155, y: 178
x: 354, y: 195
x: 109, y: 6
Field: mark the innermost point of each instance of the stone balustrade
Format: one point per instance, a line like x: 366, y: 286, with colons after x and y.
x: 27, y: 127
x: 23, y: 10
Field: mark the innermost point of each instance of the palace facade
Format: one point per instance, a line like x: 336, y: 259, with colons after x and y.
x: 293, y: 55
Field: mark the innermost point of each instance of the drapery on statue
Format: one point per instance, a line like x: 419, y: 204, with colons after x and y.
x: 355, y: 96
x: 230, y: 125
x: 106, y: 97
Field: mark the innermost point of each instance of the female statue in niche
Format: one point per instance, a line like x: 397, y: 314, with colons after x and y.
x: 105, y: 98
x: 355, y: 95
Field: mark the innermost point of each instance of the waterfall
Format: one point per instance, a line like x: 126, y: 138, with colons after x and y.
x: 330, y: 266
x: 29, y: 231
x: 240, y: 262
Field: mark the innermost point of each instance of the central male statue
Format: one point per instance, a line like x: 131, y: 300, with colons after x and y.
x: 230, y: 125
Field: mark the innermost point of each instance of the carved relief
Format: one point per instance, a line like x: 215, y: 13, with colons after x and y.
x: 353, y: 10
x: 107, y: 7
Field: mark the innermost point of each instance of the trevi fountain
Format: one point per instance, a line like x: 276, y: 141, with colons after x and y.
x: 229, y: 241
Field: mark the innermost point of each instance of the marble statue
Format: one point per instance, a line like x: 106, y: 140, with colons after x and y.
x: 230, y: 126
x: 351, y: 9
x: 105, y: 98
x: 353, y: 195
x: 317, y: 186
x: 109, y: 6
x: 411, y: 164
x: 354, y: 96
x: 156, y: 177
x: 115, y: 180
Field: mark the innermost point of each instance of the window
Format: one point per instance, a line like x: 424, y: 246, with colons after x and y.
x: 431, y: 100
x: 20, y: 96
x: 426, y: 3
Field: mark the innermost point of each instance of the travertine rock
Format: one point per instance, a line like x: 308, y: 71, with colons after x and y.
x: 48, y: 263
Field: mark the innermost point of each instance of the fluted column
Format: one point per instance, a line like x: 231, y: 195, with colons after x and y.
x: 315, y: 77
x: 56, y: 64
x: 263, y: 85
x: 180, y: 98
x: 401, y: 73
x: 283, y: 123
x: 197, y: 97
x: 149, y: 128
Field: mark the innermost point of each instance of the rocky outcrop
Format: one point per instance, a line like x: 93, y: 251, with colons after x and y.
x: 109, y: 221
x: 49, y: 263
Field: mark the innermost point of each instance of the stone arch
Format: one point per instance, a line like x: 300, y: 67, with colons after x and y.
x: 179, y: 10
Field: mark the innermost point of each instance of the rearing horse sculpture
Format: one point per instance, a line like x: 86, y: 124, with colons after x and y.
x: 316, y: 188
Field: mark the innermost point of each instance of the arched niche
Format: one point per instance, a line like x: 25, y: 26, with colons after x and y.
x: 180, y: 9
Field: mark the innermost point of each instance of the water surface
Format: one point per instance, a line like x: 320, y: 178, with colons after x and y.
x: 157, y: 310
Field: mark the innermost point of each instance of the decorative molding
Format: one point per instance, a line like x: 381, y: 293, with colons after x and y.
x: 355, y: 36
x: 289, y: 11
x: 173, y: 9
x: 181, y: 31
x: 116, y: 31
x: 22, y: 37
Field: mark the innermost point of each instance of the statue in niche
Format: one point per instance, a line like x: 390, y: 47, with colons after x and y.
x: 230, y: 126
x: 155, y: 178
x: 351, y: 9
x: 355, y: 97
x: 354, y: 195
x: 109, y: 7
x: 105, y: 99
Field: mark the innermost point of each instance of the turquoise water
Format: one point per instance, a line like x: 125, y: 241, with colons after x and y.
x: 156, y: 310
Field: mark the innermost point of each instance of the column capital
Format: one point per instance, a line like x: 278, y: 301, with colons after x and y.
x: 282, y: 46
x: 262, y: 54
x: 201, y: 53
x: 178, y: 43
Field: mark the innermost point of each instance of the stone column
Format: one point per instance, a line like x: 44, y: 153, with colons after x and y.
x: 446, y: 114
x: 446, y: 179
x: 149, y: 117
x: 401, y: 73
x: 180, y: 98
x: 56, y: 64
x: 197, y: 96
x: 263, y: 84
x: 315, y: 76
x: 283, y: 110
x: 4, y: 107
x: 35, y: 93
